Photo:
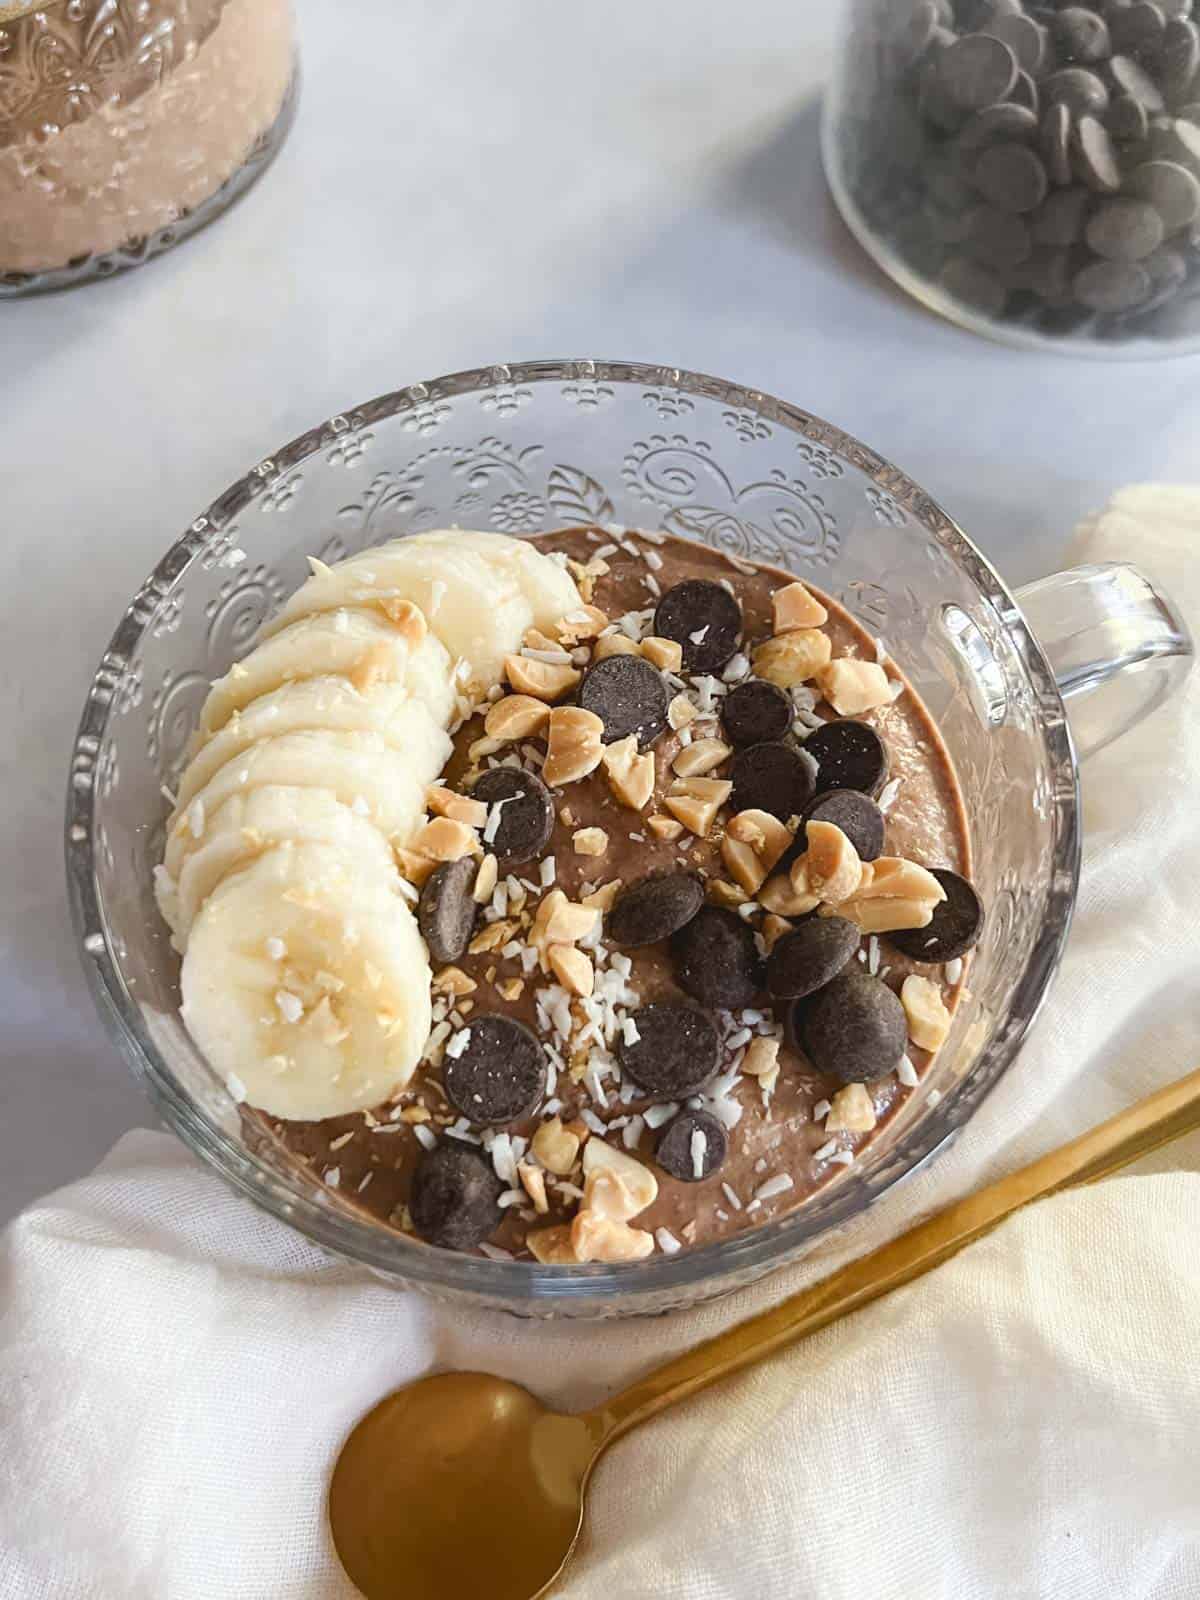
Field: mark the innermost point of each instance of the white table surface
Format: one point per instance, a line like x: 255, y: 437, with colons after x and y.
x: 468, y: 184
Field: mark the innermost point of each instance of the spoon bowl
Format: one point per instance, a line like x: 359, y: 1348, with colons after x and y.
x: 456, y: 1477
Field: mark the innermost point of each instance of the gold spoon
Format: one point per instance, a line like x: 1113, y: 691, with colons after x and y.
x: 463, y: 1484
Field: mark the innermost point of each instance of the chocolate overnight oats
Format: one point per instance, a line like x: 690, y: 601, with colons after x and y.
x: 575, y: 898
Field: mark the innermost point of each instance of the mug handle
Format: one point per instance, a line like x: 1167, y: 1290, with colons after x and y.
x: 1117, y: 646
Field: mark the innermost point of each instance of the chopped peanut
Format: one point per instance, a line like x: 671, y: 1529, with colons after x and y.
x: 533, y: 1181
x: 413, y: 867
x: 831, y: 863
x: 445, y: 840
x: 453, y: 980
x: 701, y: 756
x: 773, y: 929
x: 893, y: 894
x: 609, y: 1163
x: 665, y: 827
x: 590, y: 841
x: 696, y: 801
x: 630, y: 775
x: 665, y: 654
x: 555, y: 1147
x: 585, y: 622
x: 681, y: 712
x: 601, y: 899
x: 745, y: 866
x: 762, y: 1056
x: 613, y: 644
x: 552, y: 1246
x: 572, y: 968
x: 928, y: 1018
x: 595, y: 1238
x: 516, y: 716
x: 414, y: 1114
x: 722, y: 893
x: 544, y: 680
x: 566, y: 922
x: 852, y: 687
x: 795, y: 607
x: 852, y: 1110
x: 575, y: 744
x: 511, y: 989
x: 485, y: 880
x: 444, y: 802
x: 788, y: 894
x: 492, y: 937
x: 793, y: 658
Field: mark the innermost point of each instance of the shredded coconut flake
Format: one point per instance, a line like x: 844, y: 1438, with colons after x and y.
x: 732, y: 1196
x: 829, y: 1148
x: 546, y: 871
x: 290, y: 1007
x: 667, y: 1242
x: 699, y: 1151
x: 779, y: 1184
x: 276, y: 949
x: 456, y: 1045
x: 424, y: 1136
x: 887, y: 797
x: 657, y: 1115
x: 907, y: 1073
x: 953, y: 970
x: 821, y: 1110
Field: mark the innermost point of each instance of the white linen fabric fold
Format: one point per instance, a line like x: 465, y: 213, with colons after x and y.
x: 177, y: 1371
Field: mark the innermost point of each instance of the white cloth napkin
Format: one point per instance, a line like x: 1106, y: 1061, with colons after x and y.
x: 177, y: 1371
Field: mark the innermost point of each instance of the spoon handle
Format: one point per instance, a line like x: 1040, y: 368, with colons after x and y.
x: 1163, y: 1116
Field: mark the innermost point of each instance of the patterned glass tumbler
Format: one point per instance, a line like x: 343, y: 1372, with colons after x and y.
x: 126, y: 125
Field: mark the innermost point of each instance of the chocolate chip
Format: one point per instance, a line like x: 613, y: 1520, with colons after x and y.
x: 756, y: 711
x: 976, y: 71
x: 677, y: 1149
x: 771, y: 777
x: 1000, y: 124
x: 1180, y: 57
x: 997, y: 239
x: 453, y: 1200
x: 678, y: 1049
x: 1113, y: 285
x: 526, y: 816
x: 1081, y: 91
x: 629, y: 696
x: 912, y: 32
x: 856, y: 814
x: 974, y: 285
x: 1055, y: 142
x: 716, y: 959
x: 500, y: 1075
x: 446, y: 911
x: 956, y: 925
x: 1134, y: 83
x: 1125, y: 230
x: 704, y: 619
x: 805, y: 960
x: 849, y: 755
x: 1181, y: 142
x: 1127, y: 120
x: 1059, y: 220
x: 654, y: 908
x: 1080, y: 35
x: 1026, y: 94
x: 1023, y: 36
x: 1172, y: 190
x: 1011, y: 178
x: 1093, y: 157
x: 854, y: 1029
x: 1137, y: 30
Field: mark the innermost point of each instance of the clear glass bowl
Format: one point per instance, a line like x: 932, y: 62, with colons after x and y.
x: 1063, y: 212
x: 550, y: 444
x: 127, y: 125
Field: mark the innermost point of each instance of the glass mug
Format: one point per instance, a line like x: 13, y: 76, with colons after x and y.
x: 543, y: 444
x: 126, y: 125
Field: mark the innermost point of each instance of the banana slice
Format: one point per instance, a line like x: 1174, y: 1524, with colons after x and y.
x: 306, y: 984
x: 249, y: 824
x: 381, y: 784
x: 364, y: 647
x: 401, y: 718
x: 478, y: 608
x: 545, y: 582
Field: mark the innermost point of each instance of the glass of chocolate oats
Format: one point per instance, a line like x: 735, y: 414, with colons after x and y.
x: 649, y: 823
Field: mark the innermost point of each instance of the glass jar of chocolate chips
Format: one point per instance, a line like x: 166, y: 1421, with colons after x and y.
x: 1031, y: 171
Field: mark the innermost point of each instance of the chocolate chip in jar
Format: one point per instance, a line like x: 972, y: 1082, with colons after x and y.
x: 672, y: 1049
x: 705, y: 621
x: 854, y: 1029
x: 956, y: 925
x: 629, y: 696
x: 809, y: 957
x: 849, y: 755
x: 692, y: 1146
x: 498, y: 1074
x: 756, y: 712
x: 653, y: 908
x: 454, y: 1196
x: 772, y: 777
x: 447, y: 910
x: 716, y: 959
x: 525, y: 821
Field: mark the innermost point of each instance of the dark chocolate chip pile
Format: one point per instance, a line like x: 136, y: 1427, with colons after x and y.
x: 674, y: 1153
x: 526, y: 817
x: 500, y: 1075
x: 446, y: 911
x: 629, y: 696
x: 704, y: 620
x: 1040, y: 162
x: 654, y: 908
x: 453, y: 1197
x: 955, y: 927
x: 677, y: 1050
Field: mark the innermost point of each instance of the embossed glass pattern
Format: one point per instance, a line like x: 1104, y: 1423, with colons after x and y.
x: 125, y: 125
x: 519, y: 449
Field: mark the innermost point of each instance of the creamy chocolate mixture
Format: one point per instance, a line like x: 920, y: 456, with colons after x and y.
x: 368, y: 1158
